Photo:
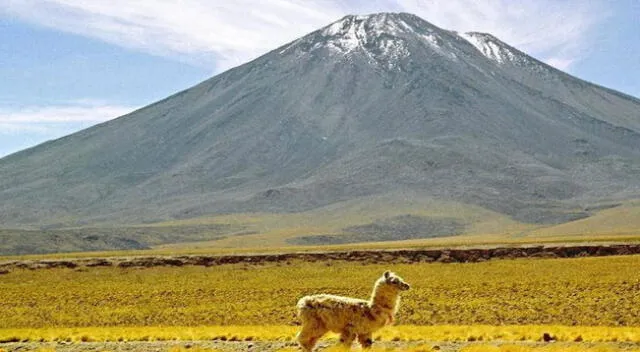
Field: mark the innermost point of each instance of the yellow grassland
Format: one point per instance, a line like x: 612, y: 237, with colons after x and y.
x: 601, y: 291
x: 621, y: 220
x: 407, y: 333
x: 546, y: 348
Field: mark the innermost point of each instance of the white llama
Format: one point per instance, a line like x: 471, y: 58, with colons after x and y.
x: 350, y: 317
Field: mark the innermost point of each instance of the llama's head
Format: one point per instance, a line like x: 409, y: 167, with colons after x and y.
x: 394, y: 281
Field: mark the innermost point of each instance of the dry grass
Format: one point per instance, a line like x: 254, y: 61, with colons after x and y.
x: 619, y: 221
x: 405, y: 333
x: 583, y: 291
x: 548, y: 348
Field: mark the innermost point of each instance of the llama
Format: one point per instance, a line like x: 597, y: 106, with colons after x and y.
x: 350, y: 317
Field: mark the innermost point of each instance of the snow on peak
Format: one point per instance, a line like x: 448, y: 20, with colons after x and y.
x: 383, y: 38
x: 496, y: 50
x: 353, y: 32
x: 490, y: 47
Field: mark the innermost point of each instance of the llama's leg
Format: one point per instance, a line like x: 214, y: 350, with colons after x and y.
x: 309, y: 335
x: 365, y: 340
x: 347, y: 336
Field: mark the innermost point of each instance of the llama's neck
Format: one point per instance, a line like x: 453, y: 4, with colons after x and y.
x: 384, y: 298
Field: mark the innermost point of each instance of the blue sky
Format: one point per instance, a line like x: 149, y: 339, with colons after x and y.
x: 69, y: 64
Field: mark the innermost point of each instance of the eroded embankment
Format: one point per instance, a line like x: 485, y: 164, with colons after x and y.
x: 365, y: 256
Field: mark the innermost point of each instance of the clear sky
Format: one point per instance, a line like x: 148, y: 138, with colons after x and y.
x: 69, y: 64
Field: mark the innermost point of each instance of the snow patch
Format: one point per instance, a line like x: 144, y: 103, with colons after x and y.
x: 392, y: 51
x: 489, y: 48
x: 289, y: 46
x: 383, y: 39
x: 431, y: 40
x: 406, y: 26
x: 501, y: 53
x: 333, y: 29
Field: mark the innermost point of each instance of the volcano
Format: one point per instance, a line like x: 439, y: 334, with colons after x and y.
x: 384, y: 106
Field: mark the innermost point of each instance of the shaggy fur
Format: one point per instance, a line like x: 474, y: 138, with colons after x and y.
x: 350, y: 317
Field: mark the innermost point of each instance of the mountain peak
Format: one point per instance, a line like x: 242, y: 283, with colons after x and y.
x: 370, y: 112
x: 354, y: 31
x: 381, y: 38
x: 378, y: 16
x: 387, y: 38
x: 377, y: 23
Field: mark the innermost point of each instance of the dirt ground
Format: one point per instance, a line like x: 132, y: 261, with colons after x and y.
x: 267, y: 346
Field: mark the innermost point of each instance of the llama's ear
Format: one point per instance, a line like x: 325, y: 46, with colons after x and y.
x: 387, y: 274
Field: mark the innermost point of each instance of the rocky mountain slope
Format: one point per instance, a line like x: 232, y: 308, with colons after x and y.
x: 385, y: 104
